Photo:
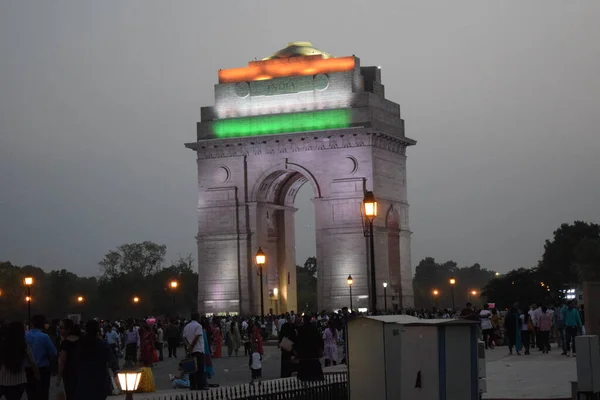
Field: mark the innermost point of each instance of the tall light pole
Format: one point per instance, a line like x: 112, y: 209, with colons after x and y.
x: 370, y: 209
x: 452, y: 283
x: 385, y: 296
x: 28, y: 282
x: 261, y: 260
x: 472, y: 293
x: 173, y: 285
x: 349, y: 281
x: 80, y: 300
x: 435, y: 297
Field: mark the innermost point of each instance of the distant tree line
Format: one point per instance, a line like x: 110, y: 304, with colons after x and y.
x: 136, y: 269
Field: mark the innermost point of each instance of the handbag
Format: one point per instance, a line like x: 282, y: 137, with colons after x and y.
x: 286, y: 344
x: 189, y: 365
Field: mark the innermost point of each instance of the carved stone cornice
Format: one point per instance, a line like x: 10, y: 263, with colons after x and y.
x: 298, y: 142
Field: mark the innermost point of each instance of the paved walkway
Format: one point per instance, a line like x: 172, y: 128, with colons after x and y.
x: 536, y: 376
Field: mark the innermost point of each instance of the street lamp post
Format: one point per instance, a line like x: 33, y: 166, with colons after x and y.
x: 385, y: 296
x: 261, y: 260
x: 435, y: 298
x: 370, y: 208
x: 29, y: 283
x: 173, y: 285
x: 350, y: 282
x: 452, y: 283
x: 80, y: 300
x: 472, y: 293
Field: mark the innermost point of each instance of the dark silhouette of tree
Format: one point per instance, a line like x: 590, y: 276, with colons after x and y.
x: 306, y: 278
x: 140, y: 259
x: 558, y: 265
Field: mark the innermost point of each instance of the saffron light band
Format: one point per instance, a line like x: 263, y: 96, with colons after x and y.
x: 293, y: 66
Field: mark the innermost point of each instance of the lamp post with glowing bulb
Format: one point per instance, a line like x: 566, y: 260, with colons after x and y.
x: 384, y: 296
x: 28, y: 282
x: 349, y: 281
x: 436, y: 293
x: 173, y: 285
x: 261, y: 260
x: 129, y: 379
x: 80, y: 301
x: 472, y: 294
x: 136, y: 299
x: 452, y: 283
x: 370, y: 209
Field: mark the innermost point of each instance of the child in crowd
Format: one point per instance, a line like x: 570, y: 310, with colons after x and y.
x: 180, y: 380
x: 255, y: 365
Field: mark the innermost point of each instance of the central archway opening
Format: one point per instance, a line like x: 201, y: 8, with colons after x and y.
x: 306, y: 249
x: 287, y: 233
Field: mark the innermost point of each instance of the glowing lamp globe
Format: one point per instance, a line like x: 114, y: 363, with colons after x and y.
x: 28, y: 281
x: 129, y: 380
x: 261, y: 257
x: 350, y: 281
x: 370, y: 206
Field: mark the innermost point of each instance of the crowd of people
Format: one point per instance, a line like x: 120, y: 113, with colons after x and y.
x: 85, y: 358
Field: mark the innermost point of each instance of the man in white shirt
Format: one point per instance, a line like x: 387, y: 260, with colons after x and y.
x: 193, y: 335
x: 281, y: 321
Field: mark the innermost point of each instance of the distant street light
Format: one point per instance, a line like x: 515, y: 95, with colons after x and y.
x: 261, y: 260
x: 80, y: 299
x: 385, y: 296
x: 370, y: 208
x: 435, y: 297
x: 173, y: 284
x: 28, y: 282
x: 136, y: 299
x: 452, y: 283
x: 350, y: 281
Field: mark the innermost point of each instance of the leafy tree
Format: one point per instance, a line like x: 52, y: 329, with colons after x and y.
x: 521, y: 286
x: 557, y: 265
x: 140, y: 259
x: 307, y: 285
x: 587, y: 259
x: 430, y: 276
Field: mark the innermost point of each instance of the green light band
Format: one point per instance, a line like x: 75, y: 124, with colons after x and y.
x: 283, y: 123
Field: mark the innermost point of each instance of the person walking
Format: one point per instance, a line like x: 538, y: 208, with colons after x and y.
x: 330, y: 339
x: 486, y: 324
x: 309, y: 350
x: 95, y: 358
x: 44, y: 352
x: 147, y: 346
x: 14, y: 355
x: 526, y: 330
x: 132, y: 342
x: 572, y: 325
x: 68, y: 357
x: 193, y: 335
x: 173, y: 338
x: 234, y: 338
x: 287, y: 331
x: 545, y: 326
x: 512, y: 328
x: 160, y: 341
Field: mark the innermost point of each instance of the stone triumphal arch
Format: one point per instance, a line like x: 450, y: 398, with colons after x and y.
x: 300, y: 117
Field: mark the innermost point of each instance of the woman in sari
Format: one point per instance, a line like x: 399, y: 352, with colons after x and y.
x: 147, y: 346
x: 218, y: 337
x: 257, y: 337
x: 209, y: 371
x: 512, y: 328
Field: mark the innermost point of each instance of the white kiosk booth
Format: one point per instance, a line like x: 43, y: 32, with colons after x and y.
x: 406, y: 358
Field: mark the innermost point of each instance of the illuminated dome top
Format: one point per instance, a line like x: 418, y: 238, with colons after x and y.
x: 296, y: 49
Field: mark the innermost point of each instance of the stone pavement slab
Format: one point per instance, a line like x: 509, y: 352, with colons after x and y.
x: 535, y: 376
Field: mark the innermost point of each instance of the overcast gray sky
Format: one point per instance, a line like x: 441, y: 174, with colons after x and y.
x: 98, y: 97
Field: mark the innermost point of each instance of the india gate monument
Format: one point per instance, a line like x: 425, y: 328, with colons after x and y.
x: 300, y: 116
